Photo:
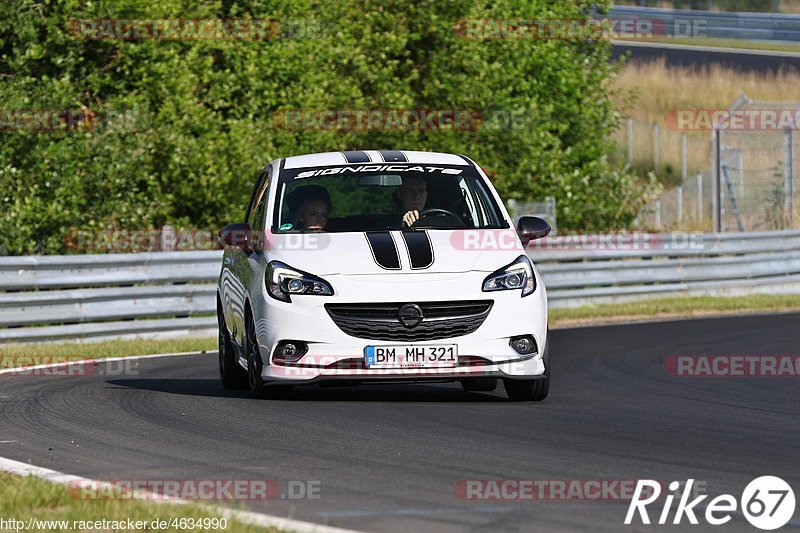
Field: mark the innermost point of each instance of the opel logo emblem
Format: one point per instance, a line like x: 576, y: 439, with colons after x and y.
x: 410, y: 315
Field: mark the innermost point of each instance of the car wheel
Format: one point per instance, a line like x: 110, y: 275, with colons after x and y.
x: 254, y: 368
x: 230, y: 373
x: 479, y: 384
x: 524, y: 390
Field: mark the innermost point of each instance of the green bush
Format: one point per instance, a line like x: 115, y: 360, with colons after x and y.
x: 193, y: 120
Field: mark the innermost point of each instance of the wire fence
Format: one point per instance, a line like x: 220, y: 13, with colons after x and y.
x: 758, y: 171
x: 749, y: 179
x: 545, y: 210
x: 687, y: 206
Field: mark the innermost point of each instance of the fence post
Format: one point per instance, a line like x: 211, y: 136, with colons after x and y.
x: 655, y: 147
x: 716, y: 205
x: 788, y: 178
x: 657, y: 206
x: 551, y: 210
x: 683, y: 155
x: 168, y: 239
x: 699, y: 196
x: 740, y: 172
x: 630, y: 140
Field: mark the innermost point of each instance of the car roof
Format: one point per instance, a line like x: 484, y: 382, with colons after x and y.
x: 374, y: 156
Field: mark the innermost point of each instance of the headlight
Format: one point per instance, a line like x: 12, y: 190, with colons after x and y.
x: 282, y: 280
x: 517, y: 275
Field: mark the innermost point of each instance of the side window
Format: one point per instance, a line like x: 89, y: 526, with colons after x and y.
x: 259, y: 204
x: 484, y: 201
x: 257, y: 210
x: 470, y: 204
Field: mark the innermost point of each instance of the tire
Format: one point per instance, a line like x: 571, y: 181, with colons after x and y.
x: 254, y: 368
x: 479, y: 384
x: 230, y: 373
x: 527, y: 390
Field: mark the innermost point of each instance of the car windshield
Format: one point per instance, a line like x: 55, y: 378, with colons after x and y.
x: 376, y: 198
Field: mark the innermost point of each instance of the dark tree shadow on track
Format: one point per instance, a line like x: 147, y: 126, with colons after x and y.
x: 192, y: 387
x: 394, y: 392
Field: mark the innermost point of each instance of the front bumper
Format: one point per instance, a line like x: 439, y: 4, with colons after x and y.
x: 334, y: 355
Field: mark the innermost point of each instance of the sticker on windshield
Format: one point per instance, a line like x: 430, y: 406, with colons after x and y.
x: 378, y: 168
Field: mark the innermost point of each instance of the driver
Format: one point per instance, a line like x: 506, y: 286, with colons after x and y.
x: 411, y: 196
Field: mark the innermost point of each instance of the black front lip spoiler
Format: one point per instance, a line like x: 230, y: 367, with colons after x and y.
x: 399, y: 378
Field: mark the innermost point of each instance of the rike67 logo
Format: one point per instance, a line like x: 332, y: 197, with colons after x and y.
x: 767, y: 503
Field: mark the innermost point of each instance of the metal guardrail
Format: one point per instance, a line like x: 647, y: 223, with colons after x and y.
x: 727, y: 25
x: 173, y: 293
x: 711, y: 264
x: 106, y: 296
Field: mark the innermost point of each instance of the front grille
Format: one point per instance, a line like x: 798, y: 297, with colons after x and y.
x: 380, y: 322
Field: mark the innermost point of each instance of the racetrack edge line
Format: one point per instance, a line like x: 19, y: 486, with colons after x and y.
x: 61, y: 364
x: 245, y: 517
x: 53, y: 476
x: 631, y: 320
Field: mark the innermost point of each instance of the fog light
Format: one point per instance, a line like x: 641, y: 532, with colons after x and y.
x: 289, y: 351
x: 524, y: 344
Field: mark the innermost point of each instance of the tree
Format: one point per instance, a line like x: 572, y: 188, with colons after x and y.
x: 178, y: 129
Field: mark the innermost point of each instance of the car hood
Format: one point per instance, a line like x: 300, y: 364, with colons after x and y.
x: 392, y: 252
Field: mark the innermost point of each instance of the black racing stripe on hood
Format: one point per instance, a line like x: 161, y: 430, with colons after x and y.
x: 383, y: 249
x: 356, y: 156
x: 420, y: 250
x: 393, y: 156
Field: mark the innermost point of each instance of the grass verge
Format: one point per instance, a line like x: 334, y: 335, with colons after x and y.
x: 739, y: 44
x: 689, y: 306
x: 23, y: 498
x: 73, y: 351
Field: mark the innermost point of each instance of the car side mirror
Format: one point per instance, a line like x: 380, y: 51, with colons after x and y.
x: 236, y: 236
x: 532, y: 228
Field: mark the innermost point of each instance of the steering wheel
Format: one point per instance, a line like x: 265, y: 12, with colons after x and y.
x: 443, y: 217
x: 434, y: 211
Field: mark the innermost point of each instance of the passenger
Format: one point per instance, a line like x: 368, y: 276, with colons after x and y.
x: 309, y: 207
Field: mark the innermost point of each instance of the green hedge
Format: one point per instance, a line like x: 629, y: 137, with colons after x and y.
x: 193, y: 121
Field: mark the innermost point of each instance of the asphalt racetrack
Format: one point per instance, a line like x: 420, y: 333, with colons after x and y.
x: 387, y: 458
x: 765, y: 62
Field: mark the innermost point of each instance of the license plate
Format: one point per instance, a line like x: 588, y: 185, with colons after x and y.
x: 411, y: 356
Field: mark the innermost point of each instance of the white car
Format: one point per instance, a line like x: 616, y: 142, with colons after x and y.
x: 381, y: 266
